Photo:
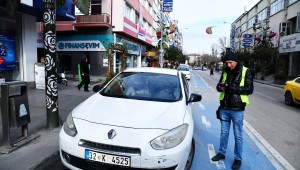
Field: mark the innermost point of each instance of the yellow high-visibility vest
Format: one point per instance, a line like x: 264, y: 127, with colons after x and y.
x: 244, y: 97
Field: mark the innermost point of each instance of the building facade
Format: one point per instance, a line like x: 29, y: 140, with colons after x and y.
x: 279, y: 21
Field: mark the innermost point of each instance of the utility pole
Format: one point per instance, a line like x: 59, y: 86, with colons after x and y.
x: 49, y: 19
x: 161, y: 38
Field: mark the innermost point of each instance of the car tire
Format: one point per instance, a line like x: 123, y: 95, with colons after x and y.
x: 64, y: 82
x: 289, y: 98
x: 191, y: 156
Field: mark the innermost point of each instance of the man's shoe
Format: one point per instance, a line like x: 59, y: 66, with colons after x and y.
x: 86, y: 90
x: 218, y: 157
x: 78, y: 87
x: 236, y: 164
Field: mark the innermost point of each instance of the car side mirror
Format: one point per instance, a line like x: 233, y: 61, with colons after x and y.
x: 195, y: 98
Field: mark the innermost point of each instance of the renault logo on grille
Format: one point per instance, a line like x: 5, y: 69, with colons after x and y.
x: 111, y: 134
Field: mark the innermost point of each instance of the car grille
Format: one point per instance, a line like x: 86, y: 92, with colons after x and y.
x: 92, y: 165
x: 110, y: 148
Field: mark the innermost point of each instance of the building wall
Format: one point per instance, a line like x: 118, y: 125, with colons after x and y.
x: 118, y: 13
x: 277, y: 18
x: 293, y: 10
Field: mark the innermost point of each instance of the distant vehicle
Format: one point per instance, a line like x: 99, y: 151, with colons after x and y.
x: 292, y: 92
x: 185, y: 69
x: 196, y: 68
x: 142, y: 119
x: 204, y: 68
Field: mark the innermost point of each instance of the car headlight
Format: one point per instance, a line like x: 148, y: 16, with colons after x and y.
x: 171, y: 138
x: 69, y: 126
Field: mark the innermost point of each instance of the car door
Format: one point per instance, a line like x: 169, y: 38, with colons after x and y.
x: 296, y: 90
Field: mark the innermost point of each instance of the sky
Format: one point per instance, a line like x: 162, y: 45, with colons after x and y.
x: 194, y: 16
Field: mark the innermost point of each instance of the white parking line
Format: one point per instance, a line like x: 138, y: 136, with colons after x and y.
x: 211, y: 153
x: 275, y: 158
x: 202, y: 107
x: 205, y: 122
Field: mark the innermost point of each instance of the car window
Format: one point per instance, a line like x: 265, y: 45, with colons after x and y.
x: 144, y: 86
x: 298, y: 81
x: 180, y: 68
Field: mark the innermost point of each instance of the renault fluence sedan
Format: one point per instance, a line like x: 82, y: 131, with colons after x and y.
x: 141, y: 119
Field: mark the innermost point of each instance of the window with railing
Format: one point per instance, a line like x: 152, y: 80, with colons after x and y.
x: 277, y: 6
x: 262, y: 14
x: 96, y: 7
x: 252, y: 21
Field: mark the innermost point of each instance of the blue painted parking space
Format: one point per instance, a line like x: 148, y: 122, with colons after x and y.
x: 207, y: 135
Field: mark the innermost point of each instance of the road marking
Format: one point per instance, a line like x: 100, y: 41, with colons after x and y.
x: 205, y: 122
x: 211, y: 153
x: 201, y: 106
x: 275, y: 158
x: 266, y: 96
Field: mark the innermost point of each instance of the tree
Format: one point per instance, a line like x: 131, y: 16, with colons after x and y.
x: 172, y: 53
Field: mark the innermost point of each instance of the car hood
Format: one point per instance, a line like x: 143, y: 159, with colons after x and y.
x: 131, y: 113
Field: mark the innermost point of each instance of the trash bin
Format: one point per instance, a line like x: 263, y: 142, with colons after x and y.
x: 14, y: 109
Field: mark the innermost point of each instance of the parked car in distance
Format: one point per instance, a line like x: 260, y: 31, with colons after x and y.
x: 292, y: 91
x: 185, y: 69
x: 141, y: 119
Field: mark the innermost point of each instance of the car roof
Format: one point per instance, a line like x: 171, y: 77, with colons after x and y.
x: 153, y: 70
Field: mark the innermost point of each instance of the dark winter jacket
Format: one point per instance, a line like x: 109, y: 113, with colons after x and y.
x: 232, y: 99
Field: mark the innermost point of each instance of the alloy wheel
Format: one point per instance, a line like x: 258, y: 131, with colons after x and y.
x: 288, y: 98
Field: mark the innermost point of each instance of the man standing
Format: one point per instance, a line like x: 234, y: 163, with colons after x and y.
x: 235, y: 84
x: 85, y: 74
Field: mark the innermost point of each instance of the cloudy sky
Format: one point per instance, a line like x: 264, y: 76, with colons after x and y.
x: 194, y: 16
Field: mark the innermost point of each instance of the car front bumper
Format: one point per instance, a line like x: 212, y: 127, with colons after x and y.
x: 73, y: 155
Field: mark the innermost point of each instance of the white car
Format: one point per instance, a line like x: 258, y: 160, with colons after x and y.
x: 185, y: 70
x: 141, y: 119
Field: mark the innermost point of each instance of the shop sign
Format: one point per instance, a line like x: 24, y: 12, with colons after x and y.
x: 132, y: 48
x: 290, y: 43
x: 89, y: 45
x: 150, y: 54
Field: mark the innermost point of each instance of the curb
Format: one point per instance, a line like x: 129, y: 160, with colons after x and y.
x: 45, y: 162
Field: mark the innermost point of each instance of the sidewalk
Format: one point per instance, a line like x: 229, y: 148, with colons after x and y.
x: 45, y: 146
x: 42, y: 148
x: 269, y: 80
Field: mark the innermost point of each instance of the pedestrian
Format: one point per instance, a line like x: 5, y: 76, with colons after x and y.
x: 235, y: 84
x: 211, y: 71
x: 85, y: 74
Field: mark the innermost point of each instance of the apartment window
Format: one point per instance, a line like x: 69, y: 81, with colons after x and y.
x: 277, y: 6
x: 262, y: 15
x: 244, y: 27
x: 96, y: 7
x: 292, y: 1
x: 127, y: 11
x: 136, y: 18
x: 251, y: 22
x: 286, y: 28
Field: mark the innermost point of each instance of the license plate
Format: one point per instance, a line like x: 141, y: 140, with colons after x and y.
x: 107, y: 158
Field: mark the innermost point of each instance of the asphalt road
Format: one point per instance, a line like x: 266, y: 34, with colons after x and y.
x: 276, y: 123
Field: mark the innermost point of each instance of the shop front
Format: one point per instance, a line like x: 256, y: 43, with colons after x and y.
x: 288, y: 62
x: 71, y: 49
x: 133, y: 56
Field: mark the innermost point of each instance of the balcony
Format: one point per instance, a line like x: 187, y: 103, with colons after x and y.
x: 102, y: 20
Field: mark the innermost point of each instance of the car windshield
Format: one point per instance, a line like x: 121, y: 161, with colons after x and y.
x: 144, y: 86
x: 183, y: 68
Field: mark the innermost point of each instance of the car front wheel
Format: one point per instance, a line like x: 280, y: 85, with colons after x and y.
x: 191, y: 156
x: 289, y: 98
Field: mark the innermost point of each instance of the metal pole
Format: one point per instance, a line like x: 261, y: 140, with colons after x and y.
x: 161, y: 38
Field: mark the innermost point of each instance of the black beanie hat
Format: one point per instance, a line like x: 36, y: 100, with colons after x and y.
x: 230, y: 56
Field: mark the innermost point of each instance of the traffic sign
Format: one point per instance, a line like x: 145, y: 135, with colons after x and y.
x: 247, y: 40
x: 247, y: 36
